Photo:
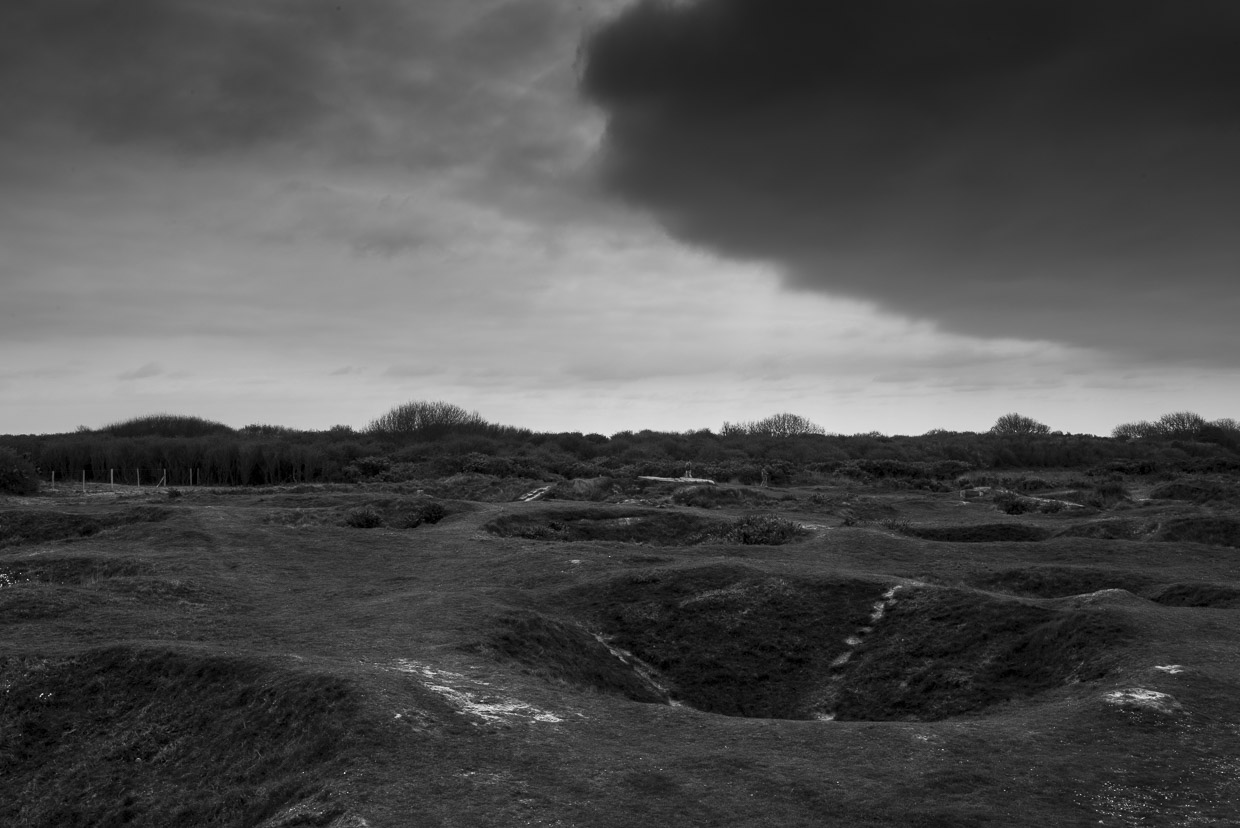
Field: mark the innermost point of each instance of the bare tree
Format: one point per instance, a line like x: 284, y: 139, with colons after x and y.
x: 1184, y: 425
x: 776, y: 425
x: 1016, y: 425
x: 427, y: 420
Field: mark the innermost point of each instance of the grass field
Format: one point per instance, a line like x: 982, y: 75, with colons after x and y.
x: 249, y: 657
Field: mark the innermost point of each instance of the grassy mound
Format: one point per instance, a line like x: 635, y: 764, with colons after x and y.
x: 731, y: 640
x: 984, y: 533
x: 567, y: 652
x: 941, y: 653
x: 1216, y: 531
x: 1193, y: 491
x: 27, y: 526
x: 70, y: 570
x: 139, y: 737
x: 1059, y: 581
x: 599, y: 524
x: 1199, y: 595
x: 659, y: 528
x: 714, y: 497
x: 1112, y: 529
x: 483, y: 488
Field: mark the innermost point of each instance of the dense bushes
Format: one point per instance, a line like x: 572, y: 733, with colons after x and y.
x: 432, y: 440
x: 166, y: 425
x: 17, y: 474
x: 1182, y: 425
x: 363, y: 517
x: 766, y: 530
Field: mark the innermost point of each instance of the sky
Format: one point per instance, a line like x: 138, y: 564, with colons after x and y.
x: 600, y: 215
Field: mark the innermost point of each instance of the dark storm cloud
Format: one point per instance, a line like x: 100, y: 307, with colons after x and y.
x: 376, y: 79
x: 196, y: 74
x: 1059, y: 169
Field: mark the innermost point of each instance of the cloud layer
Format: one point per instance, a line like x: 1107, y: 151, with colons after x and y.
x: 1060, y: 169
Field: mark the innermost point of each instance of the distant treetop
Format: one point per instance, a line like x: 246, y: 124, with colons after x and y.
x: 776, y: 425
x: 1017, y: 425
x: 166, y: 425
x: 427, y: 420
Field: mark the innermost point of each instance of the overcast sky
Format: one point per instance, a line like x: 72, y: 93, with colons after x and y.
x: 595, y: 215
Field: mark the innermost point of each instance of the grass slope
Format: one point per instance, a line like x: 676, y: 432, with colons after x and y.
x: 250, y: 660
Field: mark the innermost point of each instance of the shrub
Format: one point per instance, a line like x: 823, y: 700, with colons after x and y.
x: 705, y: 497
x: 762, y: 529
x: 17, y: 475
x: 363, y: 517
x: 368, y: 466
x: 426, y: 513
x: 1011, y: 503
x: 1107, y: 493
x: 901, y: 526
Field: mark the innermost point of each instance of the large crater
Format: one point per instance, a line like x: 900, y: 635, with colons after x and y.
x: 737, y: 641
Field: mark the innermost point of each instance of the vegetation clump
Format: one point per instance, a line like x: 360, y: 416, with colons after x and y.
x: 763, y: 530
x: 363, y: 517
x: 425, y: 513
x: 17, y: 474
x: 707, y: 497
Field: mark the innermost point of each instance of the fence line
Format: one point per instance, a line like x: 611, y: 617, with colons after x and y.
x: 137, y: 477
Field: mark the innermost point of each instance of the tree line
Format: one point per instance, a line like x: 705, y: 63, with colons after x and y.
x: 431, y: 439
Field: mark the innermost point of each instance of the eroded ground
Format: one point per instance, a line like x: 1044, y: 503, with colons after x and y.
x: 247, y: 657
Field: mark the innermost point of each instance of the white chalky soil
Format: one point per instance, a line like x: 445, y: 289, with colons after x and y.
x: 472, y: 697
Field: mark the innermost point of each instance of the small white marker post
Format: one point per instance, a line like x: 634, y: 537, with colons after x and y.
x: 53, y: 481
x: 112, y: 479
x: 139, y: 478
x: 83, y: 481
